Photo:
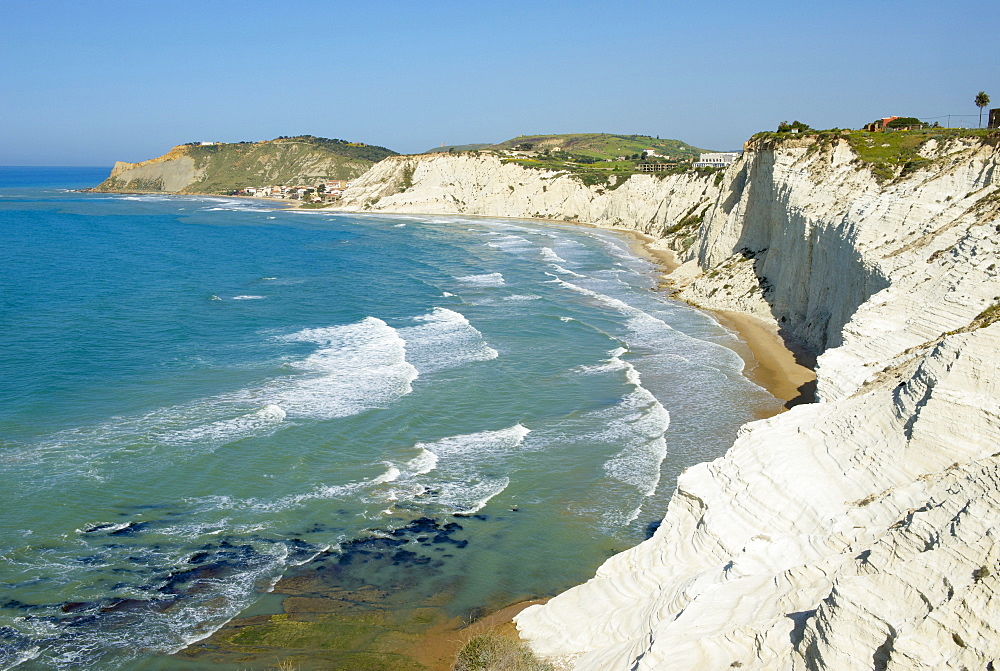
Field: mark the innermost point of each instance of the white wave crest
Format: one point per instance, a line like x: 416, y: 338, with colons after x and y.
x: 452, y: 471
x: 551, y: 256
x: 564, y: 271
x: 640, y: 321
x: 511, y: 243
x: 467, y: 498
x: 639, y: 423
x: 425, y: 462
x: 486, y: 280
x: 358, y: 367
x: 228, y: 430
x: 391, y: 475
x: 444, y: 339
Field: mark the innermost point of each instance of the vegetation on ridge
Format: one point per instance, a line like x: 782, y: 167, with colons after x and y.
x: 889, y: 155
x: 222, y: 168
x: 596, y: 159
x: 602, y: 146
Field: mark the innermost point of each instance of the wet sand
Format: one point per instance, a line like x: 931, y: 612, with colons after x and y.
x: 784, y: 370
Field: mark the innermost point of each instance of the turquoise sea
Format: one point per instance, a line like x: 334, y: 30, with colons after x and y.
x: 200, y: 394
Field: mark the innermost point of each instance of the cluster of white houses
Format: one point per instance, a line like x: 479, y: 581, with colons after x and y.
x: 719, y: 159
x: 329, y: 189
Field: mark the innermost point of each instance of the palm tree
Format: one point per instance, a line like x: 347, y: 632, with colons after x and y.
x: 982, y: 100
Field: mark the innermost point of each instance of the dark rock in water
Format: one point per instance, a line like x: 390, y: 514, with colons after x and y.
x: 417, y: 526
x: 363, y: 548
x: 129, y: 605
x: 452, y: 526
x: 299, y: 550
x: 131, y: 529
x: 444, y: 538
x: 401, y: 556
x: 74, y: 606
x: 198, y: 557
x: 652, y: 527
x: 98, y: 527
x: 14, y: 603
x: 74, y: 621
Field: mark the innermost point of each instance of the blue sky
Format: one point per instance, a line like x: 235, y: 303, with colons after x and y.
x: 88, y: 83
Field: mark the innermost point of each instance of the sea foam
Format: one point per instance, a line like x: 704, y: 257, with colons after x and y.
x: 444, y: 339
x: 485, y: 280
x: 358, y: 367
x: 456, y: 472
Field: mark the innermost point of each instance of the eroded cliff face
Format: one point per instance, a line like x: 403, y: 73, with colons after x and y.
x: 173, y: 172
x: 483, y: 184
x: 858, y: 532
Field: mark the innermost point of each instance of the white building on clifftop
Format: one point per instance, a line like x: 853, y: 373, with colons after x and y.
x: 717, y: 159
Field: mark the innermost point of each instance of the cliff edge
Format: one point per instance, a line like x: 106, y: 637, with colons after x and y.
x: 856, y: 532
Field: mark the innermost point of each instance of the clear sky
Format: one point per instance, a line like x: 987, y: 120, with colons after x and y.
x: 90, y: 82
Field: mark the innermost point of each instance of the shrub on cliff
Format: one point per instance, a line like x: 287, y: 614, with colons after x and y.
x: 796, y: 126
x: 495, y: 652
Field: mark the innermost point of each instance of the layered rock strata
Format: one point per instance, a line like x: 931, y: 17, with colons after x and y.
x: 484, y: 184
x: 858, y: 532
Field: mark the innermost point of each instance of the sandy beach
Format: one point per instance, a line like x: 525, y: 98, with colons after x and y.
x: 775, y: 364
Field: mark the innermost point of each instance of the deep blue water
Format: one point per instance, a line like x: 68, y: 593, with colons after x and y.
x: 182, y: 376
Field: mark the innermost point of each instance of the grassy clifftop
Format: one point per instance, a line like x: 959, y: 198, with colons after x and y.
x: 602, y: 146
x: 224, y: 167
x: 889, y: 155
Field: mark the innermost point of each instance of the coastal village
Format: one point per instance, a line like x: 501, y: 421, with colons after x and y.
x: 326, y: 191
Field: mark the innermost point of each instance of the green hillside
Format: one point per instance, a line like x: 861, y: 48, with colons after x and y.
x: 602, y: 146
x: 599, y: 158
x: 225, y: 167
x: 293, y: 160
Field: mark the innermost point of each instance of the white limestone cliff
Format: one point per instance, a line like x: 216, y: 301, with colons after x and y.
x: 858, y: 532
x: 484, y: 184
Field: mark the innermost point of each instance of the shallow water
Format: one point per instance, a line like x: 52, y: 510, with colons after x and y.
x: 201, y: 393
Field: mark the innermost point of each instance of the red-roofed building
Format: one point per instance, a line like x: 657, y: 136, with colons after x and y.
x: 879, y: 125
